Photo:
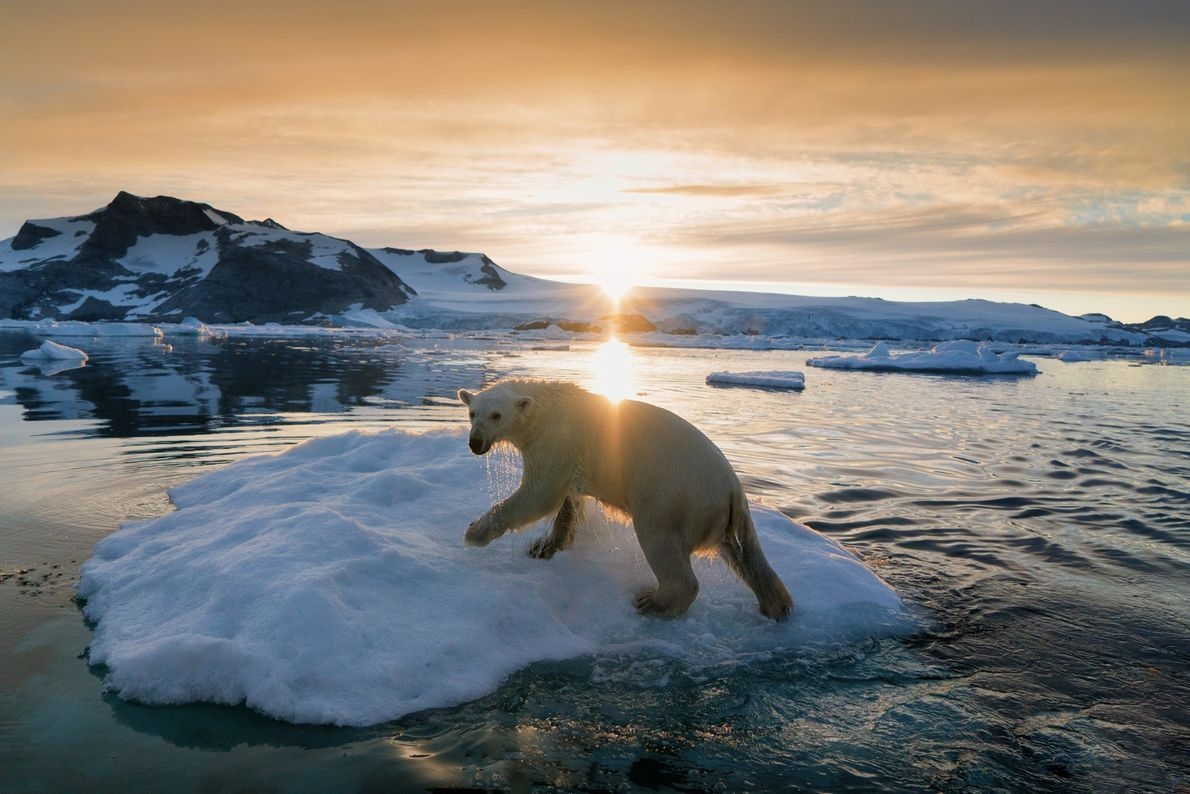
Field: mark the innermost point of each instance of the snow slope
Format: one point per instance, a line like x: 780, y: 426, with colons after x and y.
x: 330, y: 584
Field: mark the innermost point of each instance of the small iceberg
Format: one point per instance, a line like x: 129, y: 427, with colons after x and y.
x: 191, y: 326
x: 330, y: 584
x: 52, y: 351
x: 771, y: 379
x: 53, y: 358
x: 959, y: 357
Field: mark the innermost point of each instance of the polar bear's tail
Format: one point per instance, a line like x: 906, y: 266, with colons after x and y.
x: 741, y: 551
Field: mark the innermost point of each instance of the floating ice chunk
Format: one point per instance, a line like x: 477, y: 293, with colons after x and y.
x: 958, y: 357
x: 1072, y: 356
x: 330, y: 584
x: 191, y: 326
x: 773, y: 379
x: 52, y: 351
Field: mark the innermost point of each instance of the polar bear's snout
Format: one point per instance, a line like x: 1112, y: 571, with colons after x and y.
x: 478, y: 445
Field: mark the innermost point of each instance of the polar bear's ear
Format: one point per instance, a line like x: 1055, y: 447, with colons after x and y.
x: 465, y: 396
x: 524, y: 404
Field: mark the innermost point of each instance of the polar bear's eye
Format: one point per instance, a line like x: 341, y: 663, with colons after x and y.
x: 471, y: 414
x: 496, y: 416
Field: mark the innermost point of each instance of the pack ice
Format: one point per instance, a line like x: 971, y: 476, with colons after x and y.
x: 957, y: 357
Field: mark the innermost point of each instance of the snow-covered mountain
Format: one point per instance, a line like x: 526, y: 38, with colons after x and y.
x: 162, y: 259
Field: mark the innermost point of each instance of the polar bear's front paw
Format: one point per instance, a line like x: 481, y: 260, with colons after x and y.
x: 482, y: 532
x: 647, y: 603
x: 668, y: 602
x: 544, y: 547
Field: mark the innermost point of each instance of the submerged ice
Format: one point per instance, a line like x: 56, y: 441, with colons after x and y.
x: 330, y: 584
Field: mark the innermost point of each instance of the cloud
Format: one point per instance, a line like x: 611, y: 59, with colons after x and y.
x: 939, y: 246
x: 918, y: 141
x: 724, y: 191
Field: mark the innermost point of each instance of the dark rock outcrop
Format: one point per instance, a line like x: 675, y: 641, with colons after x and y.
x: 32, y: 235
x: 276, y: 282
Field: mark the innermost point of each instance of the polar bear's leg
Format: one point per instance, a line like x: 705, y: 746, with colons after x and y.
x: 561, y: 533
x: 677, y: 586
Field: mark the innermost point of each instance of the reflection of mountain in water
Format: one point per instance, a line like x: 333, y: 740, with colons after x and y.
x: 137, y: 388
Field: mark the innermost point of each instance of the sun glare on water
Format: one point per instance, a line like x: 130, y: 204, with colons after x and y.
x: 613, y: 371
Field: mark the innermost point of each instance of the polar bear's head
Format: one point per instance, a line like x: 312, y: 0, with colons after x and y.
x: 497, y: 414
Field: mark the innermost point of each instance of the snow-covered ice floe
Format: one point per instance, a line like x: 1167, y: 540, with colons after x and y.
x: 54, y: 352
x: 1073, y: 356
x: 191, y: 326
x: 330, y: 584
x: 959, y: 357
x: 772, y: 379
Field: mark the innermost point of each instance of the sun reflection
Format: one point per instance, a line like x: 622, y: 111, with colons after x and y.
x: 613, y: 370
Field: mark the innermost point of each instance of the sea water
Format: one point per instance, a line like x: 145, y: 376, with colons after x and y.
x: 1040, y: 525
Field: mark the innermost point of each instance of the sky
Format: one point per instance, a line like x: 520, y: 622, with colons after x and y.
x: 1026, y: 151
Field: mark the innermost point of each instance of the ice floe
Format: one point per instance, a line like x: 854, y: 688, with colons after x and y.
x: 1072, y: 356
x: 191, y: 326
x: 772, y: 379
x: 78, y: 328
x: 330, y: 584
x: 958, y: 357
x: 53, y: 351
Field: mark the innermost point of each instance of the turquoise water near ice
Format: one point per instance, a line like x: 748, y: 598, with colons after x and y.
x: 1042, y: 525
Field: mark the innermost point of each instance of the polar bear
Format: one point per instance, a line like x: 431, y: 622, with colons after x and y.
x: 676, y: 485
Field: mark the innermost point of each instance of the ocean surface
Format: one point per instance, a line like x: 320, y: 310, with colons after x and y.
x: 1040, y: 526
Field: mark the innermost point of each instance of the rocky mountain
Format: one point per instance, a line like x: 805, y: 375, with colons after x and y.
x: 1164, y: 330
x: 161, y: 259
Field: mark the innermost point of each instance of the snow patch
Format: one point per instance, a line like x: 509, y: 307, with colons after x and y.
x: 168, y: 254
x: 325, y: 251
x: 330, y: 584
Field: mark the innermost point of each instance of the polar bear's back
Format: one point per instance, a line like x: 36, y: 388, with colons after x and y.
x: 665, y: 453
x: 642, y: 459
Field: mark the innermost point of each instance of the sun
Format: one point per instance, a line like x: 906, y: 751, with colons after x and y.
x: 616, y: 283
x: 617, y: 265
x: 613, y: 370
